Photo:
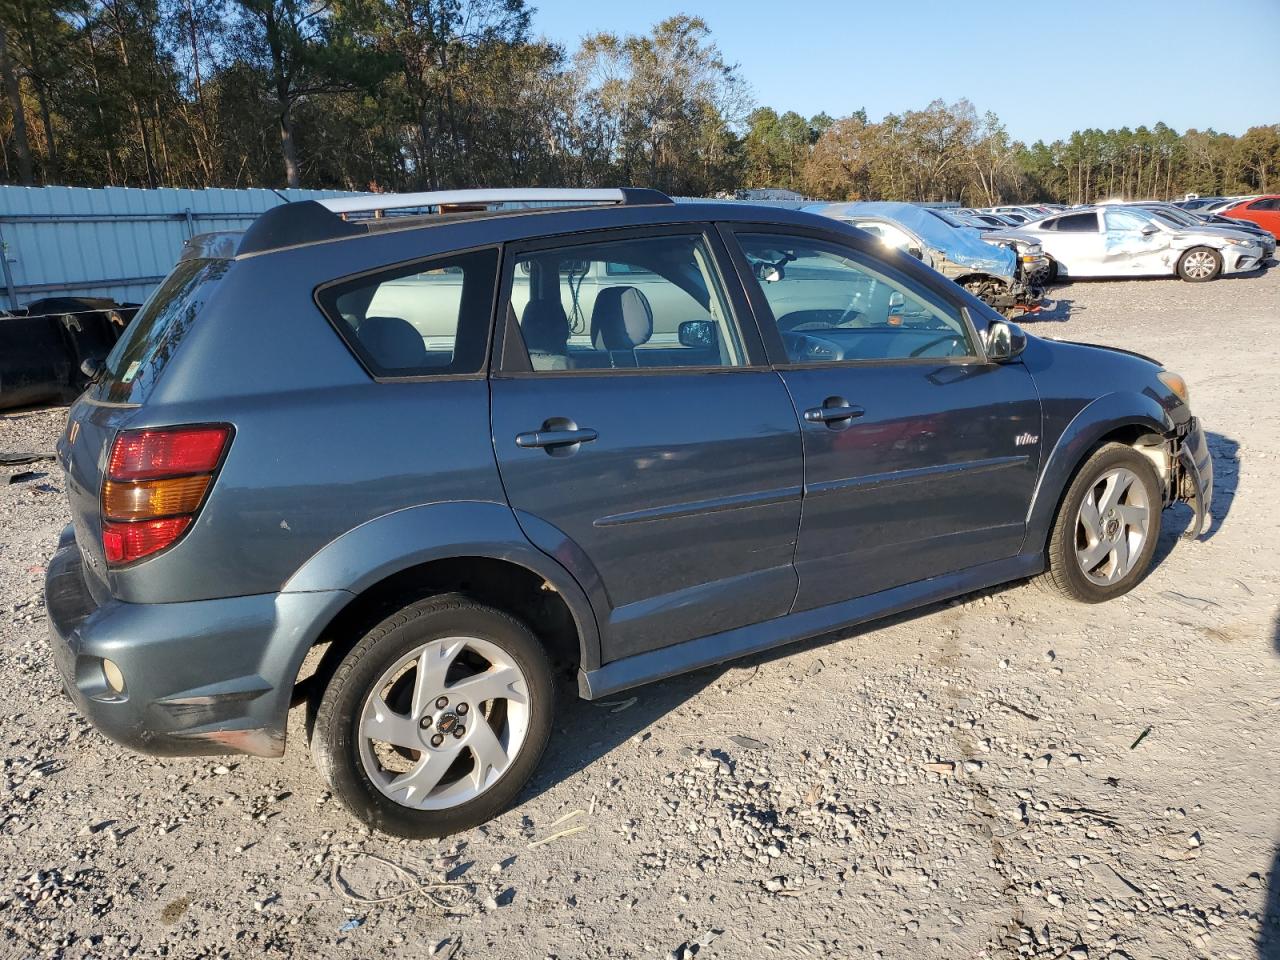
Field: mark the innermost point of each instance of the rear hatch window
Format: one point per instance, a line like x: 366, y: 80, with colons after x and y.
x: 139, y: 357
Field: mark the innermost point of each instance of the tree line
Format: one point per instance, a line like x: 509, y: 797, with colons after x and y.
x: 425, y: 94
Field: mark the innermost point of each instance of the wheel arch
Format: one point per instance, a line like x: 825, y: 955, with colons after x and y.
x: 1118, y: 417
x: 473, y: 548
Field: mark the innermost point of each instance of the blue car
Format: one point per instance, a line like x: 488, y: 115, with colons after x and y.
x: 404, y: 457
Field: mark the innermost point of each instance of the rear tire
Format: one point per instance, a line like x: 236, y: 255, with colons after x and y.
x: 1107, y: 527
x: 436, y: 719
x: 1200, y: 265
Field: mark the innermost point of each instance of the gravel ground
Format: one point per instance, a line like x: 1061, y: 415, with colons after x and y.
x: 1005, y: 776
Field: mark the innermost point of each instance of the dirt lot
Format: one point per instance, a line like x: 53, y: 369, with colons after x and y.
x: 1011, y: 775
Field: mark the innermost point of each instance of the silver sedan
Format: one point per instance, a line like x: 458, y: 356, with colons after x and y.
x: 1122, y: 241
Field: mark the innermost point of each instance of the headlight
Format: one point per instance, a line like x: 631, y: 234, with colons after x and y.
x: 1240, y: 240
x: 1176, y: 384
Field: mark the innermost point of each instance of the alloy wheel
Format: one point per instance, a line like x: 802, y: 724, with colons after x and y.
x: 1199, y: 265
x: 1112, y: 526
x: 444, y: 723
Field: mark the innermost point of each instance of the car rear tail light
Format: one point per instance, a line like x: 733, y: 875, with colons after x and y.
x: 153, y: 498
x: 148, y: 454
x: 155, y: 484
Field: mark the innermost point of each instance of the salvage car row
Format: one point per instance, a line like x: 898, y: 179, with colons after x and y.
x: 1006, y: 255
x: 1147, y: 238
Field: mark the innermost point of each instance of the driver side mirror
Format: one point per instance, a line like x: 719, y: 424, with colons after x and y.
x: 1004, y: 341
x: 915, y: 251
x: 1149, y: 229
x: 697, y: 333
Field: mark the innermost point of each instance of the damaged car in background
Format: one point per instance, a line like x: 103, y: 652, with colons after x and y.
x: 1123, y: 241
x: 1004, y: 269
x: 50, y: 348
x: 1177, y: 216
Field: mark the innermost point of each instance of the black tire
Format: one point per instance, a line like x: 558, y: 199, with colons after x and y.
x: 1063, y: 574
x: 335, y: 733
x: 1051, y: 273
x: 1196, y: 276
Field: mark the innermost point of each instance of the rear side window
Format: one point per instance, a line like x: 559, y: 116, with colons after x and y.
x: 139, y: 356
x: 1078, y: 223
x: 427, y: 319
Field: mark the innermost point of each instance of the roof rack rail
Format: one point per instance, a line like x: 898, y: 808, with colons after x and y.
x: 377, y: 203
x: 312, y: 221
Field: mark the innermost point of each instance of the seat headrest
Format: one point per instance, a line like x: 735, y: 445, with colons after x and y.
x: 621, y: 319
x: 545, y: 326
x: 393, y: 342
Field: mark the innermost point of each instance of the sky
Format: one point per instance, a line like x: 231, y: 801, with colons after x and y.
x: 1046, y: 69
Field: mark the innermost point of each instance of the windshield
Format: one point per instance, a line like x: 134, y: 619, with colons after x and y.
x: 1168, y: 217
x: 945, y: 217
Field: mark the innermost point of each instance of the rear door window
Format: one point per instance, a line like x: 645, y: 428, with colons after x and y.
x: 1078, y: 223
x: 430, y: 318
x: 139, y: 357
x: 634, y: 304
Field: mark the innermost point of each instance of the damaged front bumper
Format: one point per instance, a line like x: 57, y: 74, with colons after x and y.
x: 1243, y: 258
x: 203, y: 677
x: 1191, y: 473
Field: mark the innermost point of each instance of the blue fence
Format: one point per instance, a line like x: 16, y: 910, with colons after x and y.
x: 116, y: 242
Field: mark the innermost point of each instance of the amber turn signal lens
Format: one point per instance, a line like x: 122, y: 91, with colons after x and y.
x: 152, y: 498
x: 1175, y: 383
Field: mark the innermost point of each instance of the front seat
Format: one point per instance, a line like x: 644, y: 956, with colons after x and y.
x: 393, y: 342
x: 621, y: 320
x: 545, y: 328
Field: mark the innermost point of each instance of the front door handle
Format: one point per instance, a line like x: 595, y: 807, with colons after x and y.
x: 559, y: 436
x: 834, y: 410
x: 555, y: 438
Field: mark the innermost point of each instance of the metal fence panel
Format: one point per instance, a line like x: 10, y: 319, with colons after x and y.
x: 115, y: 242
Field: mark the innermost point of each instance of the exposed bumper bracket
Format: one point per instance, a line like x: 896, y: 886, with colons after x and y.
x: 1196, y: 498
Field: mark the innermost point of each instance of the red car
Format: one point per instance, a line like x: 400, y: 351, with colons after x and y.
x: 1264, y: 211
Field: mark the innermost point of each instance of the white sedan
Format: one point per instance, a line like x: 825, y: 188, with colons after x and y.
x: 1117, y: 241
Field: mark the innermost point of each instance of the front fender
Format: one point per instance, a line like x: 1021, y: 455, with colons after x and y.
x: 396, y: 541
x: 1094, y: 421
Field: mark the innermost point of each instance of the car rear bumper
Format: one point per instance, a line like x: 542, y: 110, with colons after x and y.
x: 205, y: 677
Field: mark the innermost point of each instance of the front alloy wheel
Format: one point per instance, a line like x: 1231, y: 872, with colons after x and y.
x: 1106, y: 529
x: 1111, y: 526
x: 436, y: 719
x: 1200, y: 264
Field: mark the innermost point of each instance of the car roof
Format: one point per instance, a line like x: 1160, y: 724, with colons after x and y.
x: 307, y: 223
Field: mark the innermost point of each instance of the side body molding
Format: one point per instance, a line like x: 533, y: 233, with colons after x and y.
x: 1094, y: 421
x: 405, y: 538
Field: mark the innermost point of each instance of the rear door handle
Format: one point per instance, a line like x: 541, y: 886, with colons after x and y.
x: 555, y: 438
x: 833, y: 410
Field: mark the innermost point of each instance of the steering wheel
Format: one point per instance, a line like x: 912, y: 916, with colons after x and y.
x: 919, y: 351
